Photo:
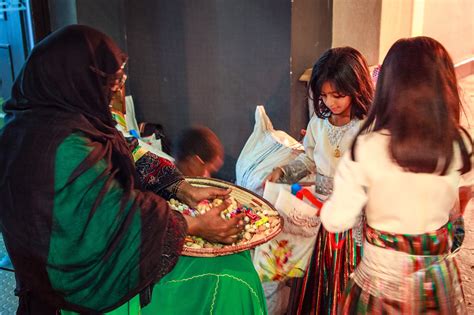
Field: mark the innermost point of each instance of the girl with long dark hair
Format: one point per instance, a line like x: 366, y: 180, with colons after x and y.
x: 342, y: 88
x: 404, y: 169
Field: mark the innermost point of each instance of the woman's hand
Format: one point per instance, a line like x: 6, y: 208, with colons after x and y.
x: 213, y: 228
x: 274, y: 176
x: 192, y: 195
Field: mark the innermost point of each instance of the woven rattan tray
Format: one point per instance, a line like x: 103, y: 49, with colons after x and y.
x: 243, y: 196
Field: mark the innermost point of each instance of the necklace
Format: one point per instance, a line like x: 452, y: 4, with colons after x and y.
x: 337, y: 152
x: 336, y: 134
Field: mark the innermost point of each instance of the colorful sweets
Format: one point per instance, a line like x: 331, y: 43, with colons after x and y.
x: 258, y: 222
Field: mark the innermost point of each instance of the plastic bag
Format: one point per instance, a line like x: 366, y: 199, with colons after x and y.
x: 265, y: 149
x: 288, y: 254
x: 130, y: 114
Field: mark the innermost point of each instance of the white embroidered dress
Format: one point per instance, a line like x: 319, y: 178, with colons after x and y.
x: 321, y: 142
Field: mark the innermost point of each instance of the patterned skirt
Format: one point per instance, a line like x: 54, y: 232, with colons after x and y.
x: 334, y: 258
x: 405, y: 274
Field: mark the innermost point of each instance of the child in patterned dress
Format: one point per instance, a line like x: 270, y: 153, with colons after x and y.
x: 342, y: 87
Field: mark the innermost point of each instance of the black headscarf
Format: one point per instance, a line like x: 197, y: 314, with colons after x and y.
x: 63, y: 88
x: 65, y: 85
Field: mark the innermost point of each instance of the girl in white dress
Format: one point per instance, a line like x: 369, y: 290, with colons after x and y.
x: 405, y: 169
x: 342, y: 88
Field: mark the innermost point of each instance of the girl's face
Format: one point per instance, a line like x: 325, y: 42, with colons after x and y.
x: 204, y: 169
x: 338, y: 103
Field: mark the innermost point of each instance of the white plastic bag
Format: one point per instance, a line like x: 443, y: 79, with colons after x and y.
x: 287, y: 255
x: 128, y: 122
x: 151, y: 140
x: 265, y: 149
x: 155, y: 150
x: 130, y: 114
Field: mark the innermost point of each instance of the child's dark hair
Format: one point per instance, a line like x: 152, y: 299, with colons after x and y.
x: 346, y: 69
x: 417, y: 101
x: 200, y: 141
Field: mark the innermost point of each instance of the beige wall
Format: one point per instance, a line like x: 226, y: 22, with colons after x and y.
x: 451, y: 22
x: 372, y: 26
x: 395, y: 23
x: 356, y: 23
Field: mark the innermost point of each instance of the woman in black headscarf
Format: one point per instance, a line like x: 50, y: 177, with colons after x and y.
x: 80, y: 234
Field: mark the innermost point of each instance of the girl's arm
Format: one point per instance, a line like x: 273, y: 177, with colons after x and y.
x: 294, y: 171
x: 343, y: 209
x: 304, y: 164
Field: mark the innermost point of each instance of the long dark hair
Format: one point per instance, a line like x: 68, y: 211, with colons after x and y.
x: 346, y: 69
x: 417, y: 101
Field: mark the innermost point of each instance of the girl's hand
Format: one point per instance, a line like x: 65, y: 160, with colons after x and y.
x: 213, y: 228
x: 274, y: 176
x: 192, y: 195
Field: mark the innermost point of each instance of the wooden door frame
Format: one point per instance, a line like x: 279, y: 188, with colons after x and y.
x: 40, y: 18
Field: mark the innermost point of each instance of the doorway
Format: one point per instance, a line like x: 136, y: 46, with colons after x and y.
x: 16, y: 40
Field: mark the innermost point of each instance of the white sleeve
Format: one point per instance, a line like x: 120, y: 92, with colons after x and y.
x: 309, y: 143
x: 304, y: 163
x: 344, y: 207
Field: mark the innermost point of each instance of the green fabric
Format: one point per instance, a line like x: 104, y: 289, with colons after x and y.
x: 220, y: 285
x: 132, y: 307
x: 192, y: 286
x: 100, y: 274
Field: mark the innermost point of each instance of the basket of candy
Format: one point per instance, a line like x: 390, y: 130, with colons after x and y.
x: 262, y: 221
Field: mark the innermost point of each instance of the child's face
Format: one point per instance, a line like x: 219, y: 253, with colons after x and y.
x: 206, y: 169
x: 214, y: 166
x: 338, y: 103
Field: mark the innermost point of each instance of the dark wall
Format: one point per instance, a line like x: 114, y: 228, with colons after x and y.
x: 62, y: 13
x: 105, y: 15
x: 311, y: 24
x: 211, y: 63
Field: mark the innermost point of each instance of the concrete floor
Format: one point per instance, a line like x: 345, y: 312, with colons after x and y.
x: 8, y: 302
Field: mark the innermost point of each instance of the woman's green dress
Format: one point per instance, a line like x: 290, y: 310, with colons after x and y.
x: 218, y: 285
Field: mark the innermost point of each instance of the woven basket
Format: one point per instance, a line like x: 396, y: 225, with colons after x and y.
x: 243, y: 196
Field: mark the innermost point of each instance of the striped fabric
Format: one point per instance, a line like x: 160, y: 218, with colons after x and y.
x: 334, y: 258
x: 405, y: 274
